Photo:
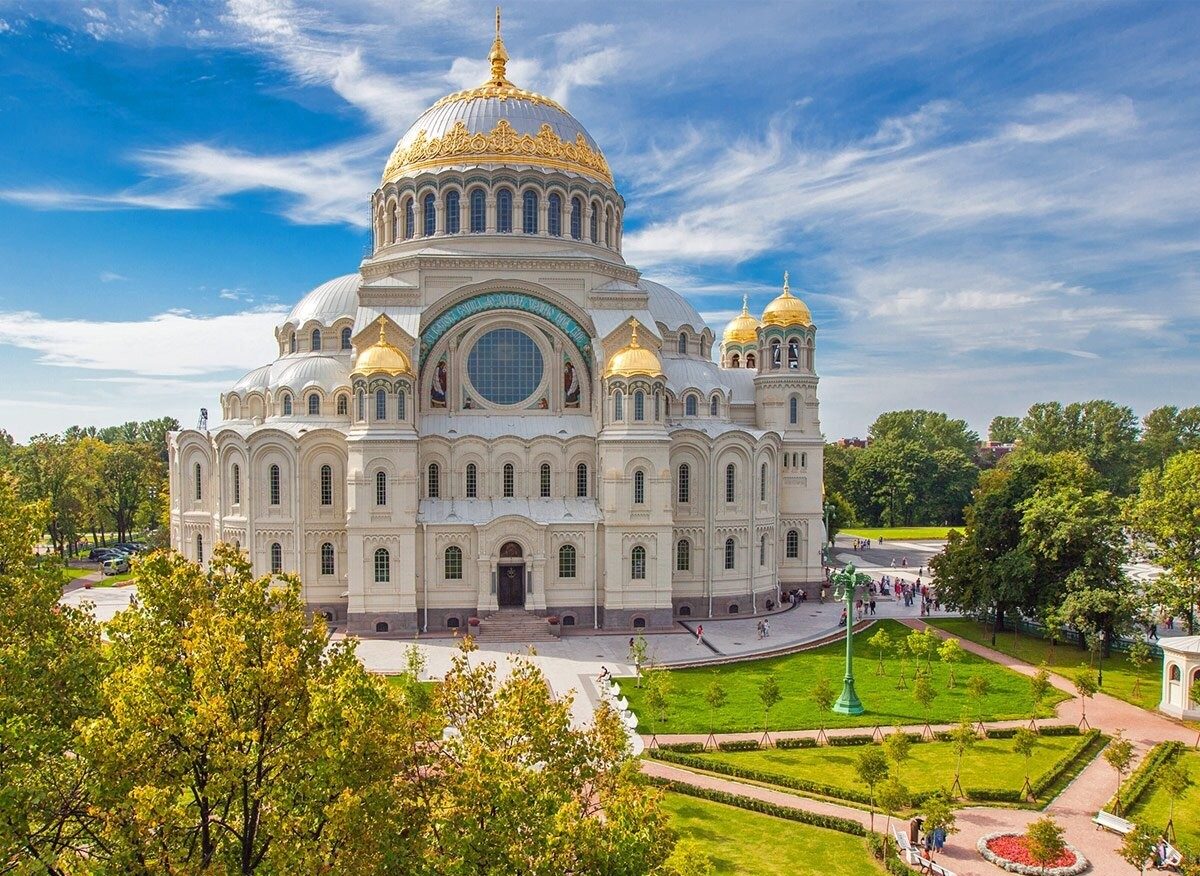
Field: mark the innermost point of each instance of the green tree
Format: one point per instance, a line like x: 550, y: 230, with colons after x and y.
x: 716, y: 696
x: 1086, y: 686
x: 769, y: 695
x: 822, y: 696
x: 1004, y: 430
x: 938, y: 811
x: 897, y: 746
x: 1025, y: 742
x: 930, y: 429
x: 690, y: 857
x: 637, y: 655
x: 128, y: 472
x: 963, y: 738
x: 893, y: 797
x: 1119, y: 754
x: 872, y: 768
x: 1174, y: 779
x: 658, y: 698
x: 883, y: 644
x: 924, y: 693
x: 842, y: 514
x: 1044, y: 839
x: 1104, y: 432
x: 951, y: 653
x: 1140, y: 657
x: 47, y: 470
x: 1039, y: 690
x: 1167, y: 431
x: 1137, y: 846
x: 978, y: 686
x: 1162, y: 518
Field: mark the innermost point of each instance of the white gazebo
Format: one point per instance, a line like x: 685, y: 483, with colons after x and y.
x: 1181, y: 676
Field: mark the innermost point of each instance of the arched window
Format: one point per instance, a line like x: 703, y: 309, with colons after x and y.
x: 383, y: 566
x: 509, y: 478
x: 793, y: 544
x: 689, y: 405
x: 683, y: 342
x: 434, y: 486
x: 326, y: 485
x: 327, y: 559
x: 714, y: 406
x: 316, y: 339
x: 618, y: 405
x: 381, y: 488
x: 730, y: 482
x: 581, y: 480
x: 793, y: 410
x: 594, y: 226
x: 730, y: 553
x: 429, y: 208
x: 276, y: 558
x: 637, y: 563
x: 314, y: 405
x: 380, y: 405
x: 529, y: 212
x: 657, y: 406
x: 504, y: 211
x: 198, y: 479
x: 775, y: 353
x: 762, y: 483
x: 683, y: 555
x: 472, y: 481
x: 793, y: 353
x: 577, y: 218
x: 395, y: 224
x: 639, y: 406
x: 362, y: 405
x: 1173, y: 673
x: 478, y: 211
x: 273, y: 484
x: 287, y: 405
x: 199, y: 548
x: 566, y: 561
x: 808, y: 355
x: 292, y: 342
x: 452, y: 217
x: 544, y: 481
x: 410, y: 220
x: 554, y: 215
x: 639, y: 487
x: 762, y: 551
x: 381, y: 626
x: 343, y: 405
x: 750, y: 360
x: 735, y: 360
x: 804, y: 460
x: 684, y: 483
x: 237, y: 484
x: 453, y: 563
x: 401, y: 404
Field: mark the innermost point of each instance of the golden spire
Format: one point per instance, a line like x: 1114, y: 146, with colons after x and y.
x: 745, y: 305
x: 633, y: 341
x: 787, y: 290
x: 498, y: 56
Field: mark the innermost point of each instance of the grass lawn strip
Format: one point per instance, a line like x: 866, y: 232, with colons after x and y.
x: 1064, y: 659
x: 795, y: 673
x: 902, y: 533
x: 70, y: 573
x: 754, y: 844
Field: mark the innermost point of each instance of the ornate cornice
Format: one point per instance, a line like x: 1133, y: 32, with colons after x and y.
x: 425, y: 262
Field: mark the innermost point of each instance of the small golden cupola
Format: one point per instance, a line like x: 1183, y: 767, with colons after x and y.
x: 743, y: 328
x: 634, y: 359
x: 382, y: 357
x: 787, y: 310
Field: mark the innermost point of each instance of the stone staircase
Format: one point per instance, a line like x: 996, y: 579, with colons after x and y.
x: 514, y: 625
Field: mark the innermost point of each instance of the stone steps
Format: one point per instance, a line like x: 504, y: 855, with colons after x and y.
x: 514, y: 625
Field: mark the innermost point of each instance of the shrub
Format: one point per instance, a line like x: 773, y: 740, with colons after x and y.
x: 993, y: 795
x: 1143, y: 777
x: 830, y: 822
x: 683, y: 747
x: 739, y: 745
x: 1060, y: 730
x: 797, y: 742
x: 1064, y: 763
x: 854, y: 739
x: 1002, y: 733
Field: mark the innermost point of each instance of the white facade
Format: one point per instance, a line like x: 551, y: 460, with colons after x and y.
x: 470, y: 421
x: 1181, y: 677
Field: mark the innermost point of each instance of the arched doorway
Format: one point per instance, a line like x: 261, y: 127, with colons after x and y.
x: 510, y: 576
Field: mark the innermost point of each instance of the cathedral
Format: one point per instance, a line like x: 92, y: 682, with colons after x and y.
x: 497, y: 414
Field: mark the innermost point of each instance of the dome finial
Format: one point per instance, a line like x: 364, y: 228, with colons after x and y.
x: 745, y: 305
x: 787, y: 290
x: 633, y: 341
x: 382, y: 331
x: 498, y: 56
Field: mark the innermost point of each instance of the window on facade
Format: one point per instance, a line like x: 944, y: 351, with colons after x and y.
x: 276, y: 557
x: 735, y: 360
x: 730, y: 553
x: 618, y: 405
x: 762, y: 551
x: 273, y: 484
x: 383, y: 566
x: 199, y: 548
x: 292, y: 342
x: 472, y: 481
x: 346, y: 338
x: 198, y: 479
x: 529, y: 212
x: 430, y: 211
x: 714, y: 406
x: 504, y: 211
x: 730, y: 482
x: 566, y: 561
x: 683, y: 555
x: 314, y: 405
x: 287, y: 405
x: 639, y: 406
x: 327, y: 559
x: 410, y: 220
x: 505, y: 366
x: 793, y: 353
x: 509, y: 478
x: 808, y: 355
x: 544, y: 481
x: 581, y: 480
x: 684, y: 483
x: 793, y: 410
x: 750, y: 360
x: 793, y: 544
x: 577, y: 218
x: 689, y: 405
x: 683, y: 342
x: 380, y: 405
x: 639, y: 487
x: 478, y: 211
x: 804, y: 460
x: 237, y: 484
x: 554, y: 215
x: 381, y: 488
x: 316, y: 339
x: 657, y: 406
x: 401, y: 404
x: 435, y: 480
x: 362, y: 405
x: 775, y: 353
x: 594, y: 225
x: 762, y: 483
x: 395, y: 224
x: 326, y: 485
x: 453, y: 563
x: 342, y: 405
x: 452, y: 216
x: 637, y: 563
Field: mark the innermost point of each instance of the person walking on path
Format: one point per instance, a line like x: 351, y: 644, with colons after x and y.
x: 700, y: 634
x: 767, y: 627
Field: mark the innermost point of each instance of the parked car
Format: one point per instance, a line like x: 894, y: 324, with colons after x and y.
x: 99, y: 555
x: 115, y: 566
x: 128, y: 546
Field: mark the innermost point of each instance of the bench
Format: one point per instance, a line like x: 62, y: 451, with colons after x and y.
x: 1115, y: 823
x: 907, y: 852
x: 1174, y: 857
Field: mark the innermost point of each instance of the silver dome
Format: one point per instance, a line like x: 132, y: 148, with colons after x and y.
x: 329, y: 302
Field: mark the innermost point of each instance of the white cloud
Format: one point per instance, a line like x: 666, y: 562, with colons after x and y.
x: 111, y: 277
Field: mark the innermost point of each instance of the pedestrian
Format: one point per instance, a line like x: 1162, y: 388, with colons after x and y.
x: 1151, y: 631
x: 939, y: 838
x: 767, y: 627
x: 758, y: 628
x: 699, y: 634
x: 842, y: 619
x: 904, y: 562
x: 872, y: 607
x: 893, y: 562
x: 822, y: 593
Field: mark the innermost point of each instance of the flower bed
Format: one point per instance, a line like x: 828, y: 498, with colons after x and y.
x: 1009, y: 851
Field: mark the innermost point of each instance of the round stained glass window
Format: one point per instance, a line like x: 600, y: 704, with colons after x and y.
x: 505, y: 366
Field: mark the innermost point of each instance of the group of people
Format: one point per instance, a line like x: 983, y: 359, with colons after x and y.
x: 929, y: 840
x: 764, y: 628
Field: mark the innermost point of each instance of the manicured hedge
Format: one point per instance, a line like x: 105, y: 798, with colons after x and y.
x: 1002, y: 733
x: 854, y: 739
x: 797, y: 742
x: 830, y: 822
x: 1061, y: 730
x: 1143, y: 777
x: 683, y: 747
x: 1064, y: 763
x: 739, y: 745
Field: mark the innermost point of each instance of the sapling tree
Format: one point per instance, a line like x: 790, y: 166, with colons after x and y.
x: 872, y: 768
x: 951, y: 653
x: 1025, y: 741
x: 1139, y: 658
x: 1086, y: 686
x: 1175, y: 780
x: 963, y: 738
x: 769, y: 695
x: 897, y: 746
x: 1137, y: 846
x: 882, y: 643
x: 823, y: 697
x: 1039, y: 689
x: 716, y: 696
x: 1044, y: 840
x: 978, y: 687
x: 658, y: 700
x: 893, y: 797
x: 925, y: 693
x: 1119, y: 755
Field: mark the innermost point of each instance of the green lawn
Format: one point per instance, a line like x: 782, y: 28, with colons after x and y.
x: 70, y: 574
x: 903, y: 533
x: 1063, y: 659
x: 114, y: 580
x: 990, y: 764
x: 1154, y: 807
x: 795, y: 673
x: 751, y: 844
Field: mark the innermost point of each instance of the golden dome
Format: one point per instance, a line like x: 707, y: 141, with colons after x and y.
x: 787, y: 309
x: 382, y: 357
x: 633, y: 359
x: 742, y: 329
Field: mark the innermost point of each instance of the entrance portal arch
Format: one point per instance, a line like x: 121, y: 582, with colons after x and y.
x: 510, y: 576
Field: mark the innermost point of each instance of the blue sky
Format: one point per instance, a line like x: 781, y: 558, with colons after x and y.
x: 985, y: 205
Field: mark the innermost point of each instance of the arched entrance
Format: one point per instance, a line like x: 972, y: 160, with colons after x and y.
x: 510, y: 576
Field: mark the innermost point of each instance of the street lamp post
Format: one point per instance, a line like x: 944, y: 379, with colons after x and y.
x: 1100, y: 674
x: 846, y: 584
x: 825, y: 546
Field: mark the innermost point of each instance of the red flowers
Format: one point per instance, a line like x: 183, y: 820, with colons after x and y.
x: 1012, y: 847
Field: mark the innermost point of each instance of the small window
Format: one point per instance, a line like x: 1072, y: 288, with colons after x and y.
x: 581, y: 480
x: 276, y: 558
x: 326, y: 485
x: 714, y: 406
x: 410, y: 220
x: 401, y: 404
x: 762, y: 483
x: 453, y: 563
x: 292, y: 343
x: 733, y: 608
x: 430, y: 210
x: 594, y: 226
x: 566, y: 561
x: 730, y: 553
x: 804, y: 460
x: 568, y: 620
x: 637, y: 563
x: 509, y: 479
x: 273, y: 484
x: 689, y: 405
x: 683, y: 342
x: 730, y: 482
x: 380, y: 405
x: 529, y: 212
x: 793, y: 544
x: 544, y: 480
x: 683, y: 555
x: 639, y: 623
x: 684, y: 484
x: 314, y: 405
x: 793, y: 353
x: 504, y: 211
x: 383, y: 566
x: 657, y: 406
x: 316, y: 339
x: 327, y: 559
x: 735, y: 361
x: 346, y: 338
x: 472, y: 481
x: 639, y: 406
x: 434, y: 486
x: 750, y: 360
x: 1173, y: 673
x: 237, y: 484
x: 618, y: 406
x: 362, y: 406
x: 762, y: 551
x: 639, y: 487
x: 554, y: 215
x: 478, y: 211
x: 793, y: 410
x: 381, y: 626
x: 452, y: 216
x: 577, y: 218
x: 685, y: 611
x: 199, y: 548
x: 775, y: 353
x: 198, y: 482
x: 342, y: 405
x: 395, y: 224
x: 287, y: 405
x: 381, y: 488
x: 453, y: 623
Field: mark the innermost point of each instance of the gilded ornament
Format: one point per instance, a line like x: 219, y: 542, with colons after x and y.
x: 787, y: 310
x: 633, y: 358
